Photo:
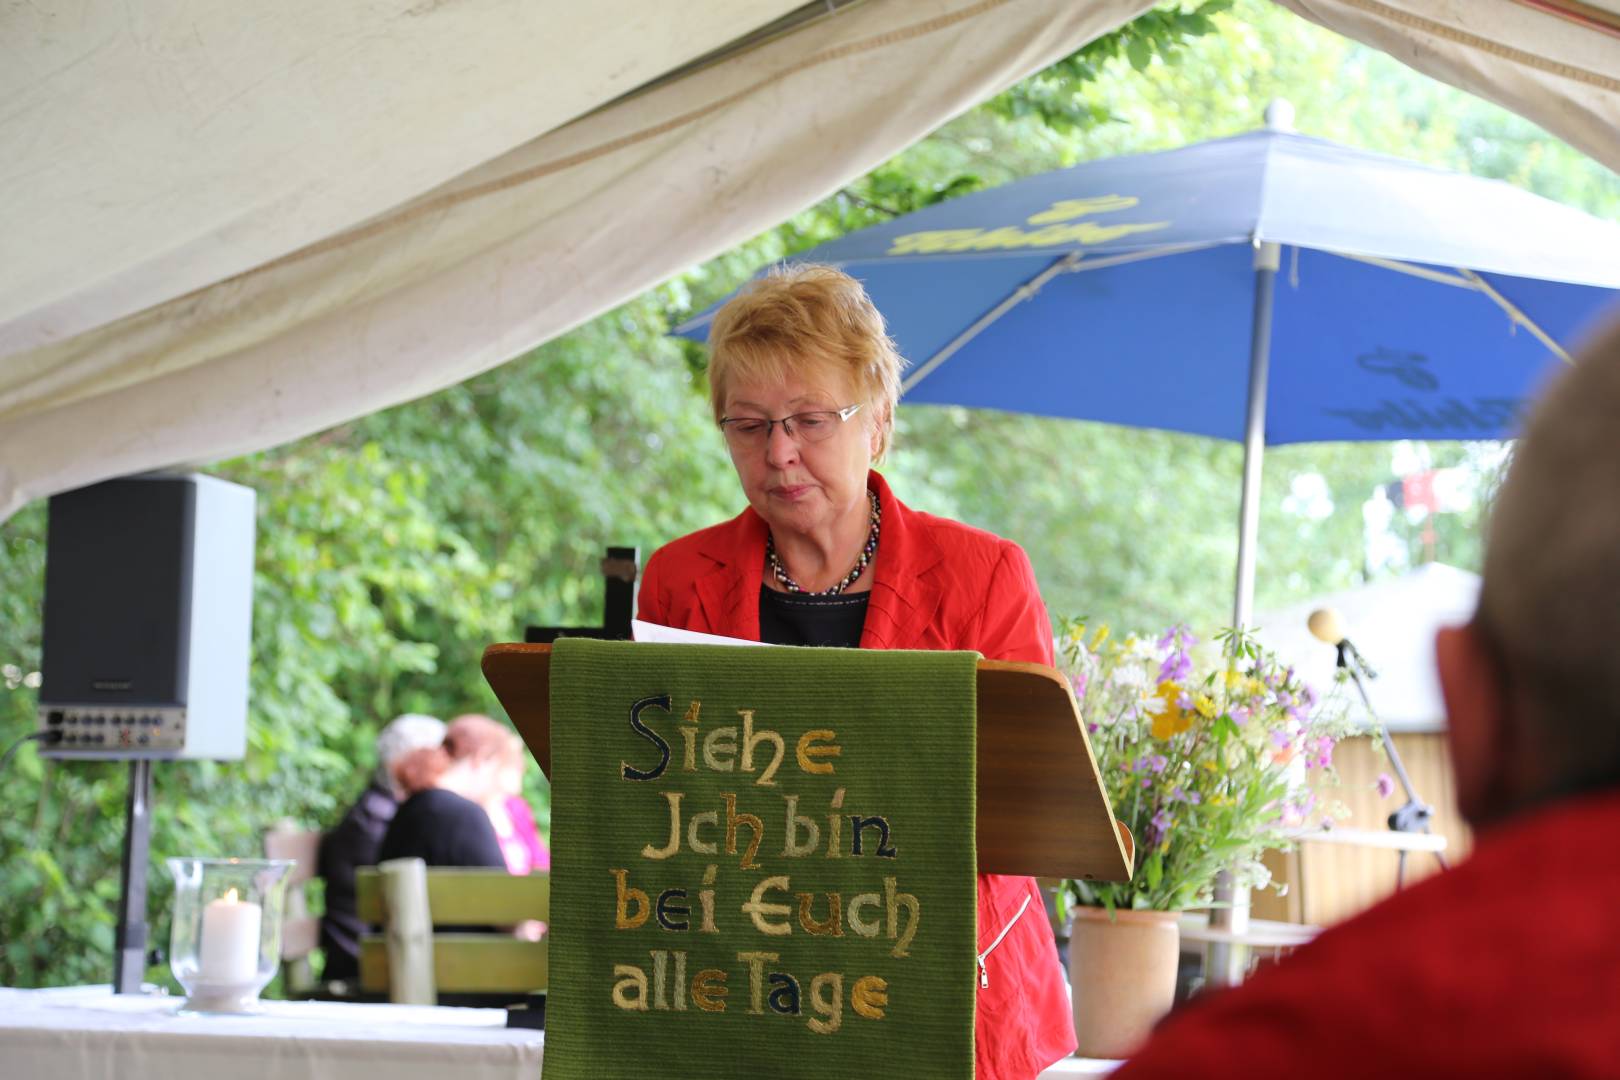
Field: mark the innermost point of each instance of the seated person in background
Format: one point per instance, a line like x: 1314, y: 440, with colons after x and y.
x: 443, y: 821
x: 355, y: 840
x: 512, y: 817
x: 1509, y: 964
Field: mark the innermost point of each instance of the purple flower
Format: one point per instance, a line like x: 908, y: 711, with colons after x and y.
x: 1158, y: 827
x: 1178, y: 637
x: 1240, y: 716
x: 1293, y: 813
x: 1280, y: 739
x: 1157, y: 762
x: 1386, y: 786
x: 1190, y: 798
x: 1092, y: 729
x: 1080, y: 682
x: 1308, y: 695
x: 1178, y: 665
x: 1319, y: 752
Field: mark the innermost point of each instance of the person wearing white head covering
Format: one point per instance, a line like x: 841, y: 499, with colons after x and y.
x: 355, y: 840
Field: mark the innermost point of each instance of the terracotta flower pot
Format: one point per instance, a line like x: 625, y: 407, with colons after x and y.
x: 1124, y: 975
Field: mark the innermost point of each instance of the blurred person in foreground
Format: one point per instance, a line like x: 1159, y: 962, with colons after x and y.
x: 803, y: 382
x: 355, y: 840
x: 1509, y: 964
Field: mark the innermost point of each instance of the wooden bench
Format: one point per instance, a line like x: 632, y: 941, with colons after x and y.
x: 414, y: 961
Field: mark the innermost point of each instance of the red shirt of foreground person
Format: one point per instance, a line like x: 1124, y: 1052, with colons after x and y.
x: 804, y: 382
x: 1509, y: 964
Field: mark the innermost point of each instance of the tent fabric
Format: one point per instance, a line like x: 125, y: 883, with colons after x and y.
x: 1554, y: 61
x: 153, y: 149
x: 333, y: 319
x: 223, y: 231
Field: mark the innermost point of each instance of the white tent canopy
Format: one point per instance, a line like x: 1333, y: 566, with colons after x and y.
x: 220, y: 231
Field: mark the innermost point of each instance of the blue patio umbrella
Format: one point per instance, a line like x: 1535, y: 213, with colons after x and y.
x: 1270, y: 288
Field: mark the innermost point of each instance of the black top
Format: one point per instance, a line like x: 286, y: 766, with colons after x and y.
x: 802, y: 619
x: 442, y: 829
x: 354, y: 842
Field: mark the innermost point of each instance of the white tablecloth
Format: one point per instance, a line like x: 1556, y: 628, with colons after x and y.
x: 87, y: 1033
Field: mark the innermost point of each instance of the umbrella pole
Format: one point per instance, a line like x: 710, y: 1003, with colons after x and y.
x: 1267, y: 258
x: 1226, y: 961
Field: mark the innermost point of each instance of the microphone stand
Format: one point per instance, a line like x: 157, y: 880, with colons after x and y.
x: 1415, y: 814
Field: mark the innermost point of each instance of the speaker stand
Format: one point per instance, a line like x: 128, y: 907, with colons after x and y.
x: 129, y: 950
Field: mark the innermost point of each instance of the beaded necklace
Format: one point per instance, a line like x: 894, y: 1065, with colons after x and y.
x: 850, y: 578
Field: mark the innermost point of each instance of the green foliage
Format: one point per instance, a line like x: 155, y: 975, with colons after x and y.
x: 1054, y: 96
x: 392, y: 549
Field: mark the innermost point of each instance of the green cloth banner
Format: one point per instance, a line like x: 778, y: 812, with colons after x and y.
x: 763, y: 862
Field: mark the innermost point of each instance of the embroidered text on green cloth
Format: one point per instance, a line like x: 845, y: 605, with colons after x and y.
x: 763, y: 862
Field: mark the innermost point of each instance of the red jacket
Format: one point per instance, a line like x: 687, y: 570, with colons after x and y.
x: 939, y: 585
x: 1505, y: 966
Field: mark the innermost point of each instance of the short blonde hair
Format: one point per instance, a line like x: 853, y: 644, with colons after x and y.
x: 804, y: 320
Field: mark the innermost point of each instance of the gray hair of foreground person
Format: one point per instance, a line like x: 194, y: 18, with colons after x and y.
x: 400, y: 736
x: 1532, y: 684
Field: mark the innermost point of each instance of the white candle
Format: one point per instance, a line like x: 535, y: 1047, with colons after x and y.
x: 229, y: 950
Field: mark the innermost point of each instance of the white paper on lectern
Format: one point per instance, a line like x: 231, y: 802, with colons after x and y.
x: 646, y: 631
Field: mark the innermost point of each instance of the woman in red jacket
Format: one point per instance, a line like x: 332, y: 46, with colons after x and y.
x: 804, y: 382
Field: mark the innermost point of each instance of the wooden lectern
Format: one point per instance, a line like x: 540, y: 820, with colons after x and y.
x: 1042, y: 808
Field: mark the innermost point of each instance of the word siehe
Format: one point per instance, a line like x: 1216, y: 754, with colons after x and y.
x: 720, y: 745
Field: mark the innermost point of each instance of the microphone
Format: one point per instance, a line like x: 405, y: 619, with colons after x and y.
x: 1326, y: 624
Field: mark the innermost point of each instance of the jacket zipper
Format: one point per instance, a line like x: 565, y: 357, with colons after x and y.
x: 984, y: 972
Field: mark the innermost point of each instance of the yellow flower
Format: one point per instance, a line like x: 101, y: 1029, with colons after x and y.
x: 1169, y: 718
x: 1205, y: 706
x: 1211, y: 766
x: 1077, y: 635
x: 1101, y: 636
x: 1234, y: 678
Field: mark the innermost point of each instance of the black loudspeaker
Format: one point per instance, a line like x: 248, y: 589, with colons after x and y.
x: 148, y: 617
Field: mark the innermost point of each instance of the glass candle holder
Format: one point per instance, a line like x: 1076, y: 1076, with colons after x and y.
x: 226, y: 940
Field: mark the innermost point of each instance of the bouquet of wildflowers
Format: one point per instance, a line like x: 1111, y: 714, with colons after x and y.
x: 1208, y: 756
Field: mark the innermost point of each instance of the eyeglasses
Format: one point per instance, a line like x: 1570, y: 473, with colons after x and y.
x: 805, y: 427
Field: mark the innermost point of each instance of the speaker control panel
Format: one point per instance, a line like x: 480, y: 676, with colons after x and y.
x: 113, y: 732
